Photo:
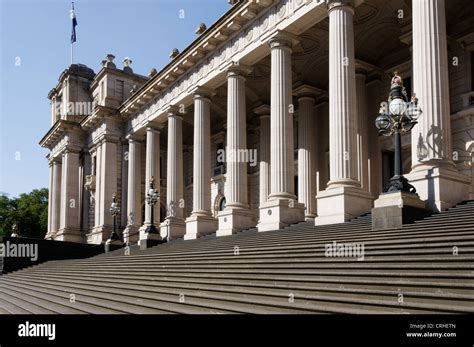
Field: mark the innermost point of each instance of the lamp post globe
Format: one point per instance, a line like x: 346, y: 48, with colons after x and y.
x: 397, y: 107
x: 382, y: 122
x: 14, y: 231
x: 114, y: 238
x: 151, y: 199
x: 400, y: 119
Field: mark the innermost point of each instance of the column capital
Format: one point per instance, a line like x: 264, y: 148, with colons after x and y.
x: 54, y: 160
x: 332, y: 4
x: 109, y: 138
x: 282, y: 39
x: 238, y: 70
x: 262, y: 110
x: 203, y: 93
x: 364, y: 68
x: 307, y: 91
x: 71, y: 149
x: 133, y: 138
x: 173, y: 111
x: 153, y: 127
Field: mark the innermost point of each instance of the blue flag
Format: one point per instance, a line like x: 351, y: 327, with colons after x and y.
x: 74, y: 23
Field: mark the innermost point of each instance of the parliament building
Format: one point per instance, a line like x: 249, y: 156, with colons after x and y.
x: 265, y: 120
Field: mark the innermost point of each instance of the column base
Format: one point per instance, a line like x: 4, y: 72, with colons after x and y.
x: 112, y: 245
x: 392, y: 210
x: 50, y: 235
x: 99, y: 234
x: 341, y: 204
x: 440, y: 187
x: 309, y: 217
x: 147, y: 239
x: 131, y: 234
x: 176, y: 227
x: 68, y: 234
x: 198, y: 225
x: 231, y: 221
x: 279, y: 213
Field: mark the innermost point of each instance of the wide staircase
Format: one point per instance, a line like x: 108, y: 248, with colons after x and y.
x: 425, y: 267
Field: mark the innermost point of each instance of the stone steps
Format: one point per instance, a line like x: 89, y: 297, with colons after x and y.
x: 283, y: 271
x: 444, y: 246
x: 422, y: 287
x: 286, y: 259
x: 296, y: 239
x: 442, y: 282
x: 328, y: 302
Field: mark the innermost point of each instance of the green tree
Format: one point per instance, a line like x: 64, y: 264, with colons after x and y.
x: 29, y: 212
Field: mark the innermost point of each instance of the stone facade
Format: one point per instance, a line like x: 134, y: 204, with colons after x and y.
x: 267, y: 119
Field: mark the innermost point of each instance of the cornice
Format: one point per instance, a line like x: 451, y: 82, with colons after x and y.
x: 57, y: 130
x: 219, y: 32
x: 99, y: 113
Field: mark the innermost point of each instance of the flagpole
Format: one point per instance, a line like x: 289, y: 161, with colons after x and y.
x: 73, y: 34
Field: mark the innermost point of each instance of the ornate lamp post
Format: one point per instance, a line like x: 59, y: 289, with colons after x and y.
x: 114, y: 211
x: 14, y: 231
x: 396, y: 117
x: 152, y: 198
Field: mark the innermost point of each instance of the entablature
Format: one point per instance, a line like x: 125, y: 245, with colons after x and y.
x: 246, y: 45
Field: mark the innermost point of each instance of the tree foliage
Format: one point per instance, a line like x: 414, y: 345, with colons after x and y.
x: 29, y: 212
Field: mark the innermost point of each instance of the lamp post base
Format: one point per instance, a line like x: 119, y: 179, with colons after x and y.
x: 152, y: 229
x: 398, y: 183
x: 394, y: 209
x: 149, y: 236
x: 112, y: 244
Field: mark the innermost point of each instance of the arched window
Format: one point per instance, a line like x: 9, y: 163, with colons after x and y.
x: 222, y: 204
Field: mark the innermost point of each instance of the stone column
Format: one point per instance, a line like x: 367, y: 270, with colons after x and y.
x: 97, y: 193
x: 281, y: 208
x: 174, y: 225
x: 70, y: 222
x: 55, y: 202
x: 236, y: 216
x: 343, y: 124
x: 362, y: 134
x: 152, y: 169
x: 50, y: 199
x: 433, y: 172
x: 201, y: 221
x: 375, y: 96
x: 134, y: 215
x: 343, y: 199
x: 264, y: 154
x: 107, y: 186
x: 307, y: 149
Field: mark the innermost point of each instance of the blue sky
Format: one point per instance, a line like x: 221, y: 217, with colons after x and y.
x: 36, y: 34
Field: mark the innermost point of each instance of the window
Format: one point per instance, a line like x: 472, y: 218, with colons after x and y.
x: 408, y: 87
x: 101, y: 91
x: 296, y: 185
x: 387, y: 167
x: 222, y: 204
x: 161, y: 167
x: 472, y: 70
x: 219, y: 151
x: 119, y: 90
x: 94, y: 165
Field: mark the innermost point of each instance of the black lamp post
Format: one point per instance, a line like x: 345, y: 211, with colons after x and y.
x: 397, y: 117
x: 14, y: 231
x: 152, y: 198
x: 114, y: 211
